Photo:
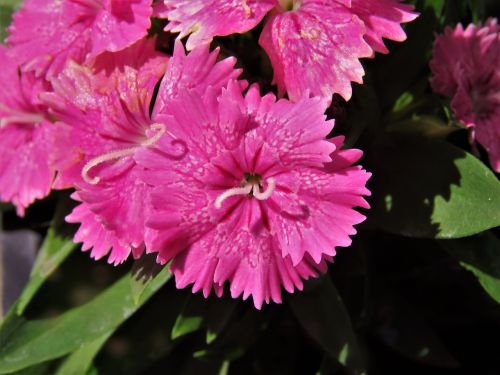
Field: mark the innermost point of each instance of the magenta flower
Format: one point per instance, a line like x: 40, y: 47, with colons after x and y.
x: 105, y: 109
x: 25, y: 137
x: 466, y: 67
x: 261, y: 200
x: 314, y: 45
x: 46, y: 33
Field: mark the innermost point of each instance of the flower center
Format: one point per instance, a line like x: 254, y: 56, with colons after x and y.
x: 288, y: 5
x: 251, y: 185
x: 160, y: 129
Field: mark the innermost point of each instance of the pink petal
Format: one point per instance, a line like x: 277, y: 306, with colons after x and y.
x: 465, y: 67
x: 383, y: 19
x: 315, y: 49
x: 205, y: 19
x: 25, y: 172
x: 89, y: 27
x: 95, y: 237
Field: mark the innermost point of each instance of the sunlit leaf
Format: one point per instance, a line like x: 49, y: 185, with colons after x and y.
x: 24, y: 343
x: 54, y: 251
x: 426, y: 187
x: 56, y: 247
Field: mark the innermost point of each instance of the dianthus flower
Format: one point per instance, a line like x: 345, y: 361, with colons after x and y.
x: 46, y: 33
x: 25, y: 136
x: 314, y: 45
x: 466, y: 67
x: 106, y: 112
x: 261, y: 198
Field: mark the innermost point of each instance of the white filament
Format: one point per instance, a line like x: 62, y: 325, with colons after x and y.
x: 160, y: 129
x: 231, y: 193
x: 22, y: 118
x: 262, y: 196
x: 250, y: 187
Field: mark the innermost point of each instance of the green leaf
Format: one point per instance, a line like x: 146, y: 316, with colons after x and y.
x: 55, y: 249
x: 481, y: 256
x: 7, y: 7
x: 197, y: 313
x: 57, y: 246
x: 237, y: 337
x: 436, y: 5
x: 425, y: 187
x: 323, y: 315
x: 218, y: 315
x: 24, y: 343
x: 189, y: 320
x: 39, y: 369
x: 80, y: 361
x: 144, y: 271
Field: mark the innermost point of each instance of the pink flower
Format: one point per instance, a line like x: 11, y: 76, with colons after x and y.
x: 46, y: 33
x: 106, y: 120
x: 466, y: 67
x: 261, y: 199
x: 204, y: 19
x: 314, y: 45
x: 25, y: 137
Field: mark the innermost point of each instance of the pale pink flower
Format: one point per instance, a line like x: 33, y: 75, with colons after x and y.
x: 314, y: 45
x: 261, y: 199
x: 466, y: 67
x: 46, y: 33
x: 107, y: 119
x: 25, y: 136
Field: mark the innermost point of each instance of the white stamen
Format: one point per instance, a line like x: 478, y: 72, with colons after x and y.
x: 101, y: 159
x: 21, y: 118
x: 13, y: 116
x: 262, y: 196
x: 160, y: 129
x: 231, y: 193
x: 250, y: 187
x: 118, y: 154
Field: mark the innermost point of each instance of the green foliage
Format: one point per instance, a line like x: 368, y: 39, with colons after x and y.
x: 481, y: 256
x: 54, y: 251
x: 7, y: 7
x: 321, y: 312
x: 24, y: 343
x: 80, y: 362
x: 423, y: 185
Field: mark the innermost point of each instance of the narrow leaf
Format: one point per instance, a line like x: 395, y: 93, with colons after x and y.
x: 55, y: 249
x: 480, y: 255
x: 24, y: 343
x: 80, y: 361
x: 321, y: 312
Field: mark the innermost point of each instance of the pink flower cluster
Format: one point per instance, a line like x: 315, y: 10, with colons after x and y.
x: 466, y: 67
x: 174, y: 155
x: 314, y: 45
